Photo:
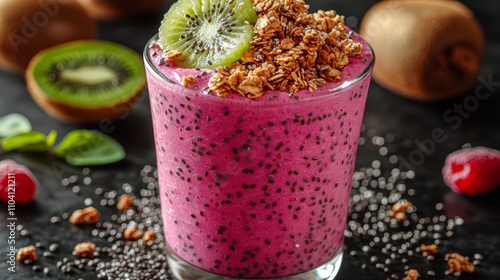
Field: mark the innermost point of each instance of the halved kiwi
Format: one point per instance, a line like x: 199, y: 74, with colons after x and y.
x: 209, y: 33
x: 86, y: 81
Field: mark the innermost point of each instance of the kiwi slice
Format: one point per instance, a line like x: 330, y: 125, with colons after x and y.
x: 86, y: 81
x: 209, y: 33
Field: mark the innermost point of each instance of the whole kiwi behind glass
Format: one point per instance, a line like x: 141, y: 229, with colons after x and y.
x: 427, y: 50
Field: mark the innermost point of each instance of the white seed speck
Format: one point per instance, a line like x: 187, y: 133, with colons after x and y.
x: 88, y: 201
x: 393, y: 159
x: 87, y: 180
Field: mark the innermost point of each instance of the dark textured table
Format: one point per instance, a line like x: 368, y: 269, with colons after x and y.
x: 393, y: 127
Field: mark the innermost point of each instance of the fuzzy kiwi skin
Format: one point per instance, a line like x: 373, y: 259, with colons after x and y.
x: 29, y: 26
x: 428, y: 50
x: 79, y: 114
x: 115, y: 9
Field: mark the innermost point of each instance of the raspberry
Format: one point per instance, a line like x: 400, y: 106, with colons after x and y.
x: 16, y: 182
x: 472, y: 171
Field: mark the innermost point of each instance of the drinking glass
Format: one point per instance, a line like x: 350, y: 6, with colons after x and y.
x: 256, y: 188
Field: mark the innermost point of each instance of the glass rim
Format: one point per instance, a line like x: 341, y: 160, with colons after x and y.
x: 154, y: 69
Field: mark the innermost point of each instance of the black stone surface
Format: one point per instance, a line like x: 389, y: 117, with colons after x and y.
x: 387, y: 115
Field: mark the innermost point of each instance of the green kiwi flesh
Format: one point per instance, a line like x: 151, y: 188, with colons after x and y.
x: 87, y: 79
x: 210, y: 33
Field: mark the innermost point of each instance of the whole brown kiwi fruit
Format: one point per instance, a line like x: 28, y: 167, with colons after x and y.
x: 29, y: 26
x: 427, y: 50
x: 115, y: 9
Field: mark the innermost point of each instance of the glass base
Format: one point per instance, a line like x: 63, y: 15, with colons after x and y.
x: 182, y: 270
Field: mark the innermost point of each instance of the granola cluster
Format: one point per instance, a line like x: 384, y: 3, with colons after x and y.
x: 411, y: 274
x: 458, y: 263
x: 149, y: 236
x: 84, y: 249
x: 188, y: 81
x: 291, y: 50
x: 88, y: 215
x: 124, y: 202
x: 27, y: 254
x: 428, y: 249
x: 399, y: 210
x: 133, y: 233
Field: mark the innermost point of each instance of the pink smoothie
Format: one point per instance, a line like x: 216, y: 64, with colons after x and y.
x: 256, y: 188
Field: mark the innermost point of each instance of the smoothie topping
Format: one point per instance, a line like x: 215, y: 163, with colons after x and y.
x: 188, y: 81
x: 291, y: 50
x: 257, y: 45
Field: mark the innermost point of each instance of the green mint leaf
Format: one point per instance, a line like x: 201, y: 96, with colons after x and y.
x: 88, y: 147
x: 13, y: 124
x: 32, y: 141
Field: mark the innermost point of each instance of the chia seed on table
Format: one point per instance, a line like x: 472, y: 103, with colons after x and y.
x: 373, y: 237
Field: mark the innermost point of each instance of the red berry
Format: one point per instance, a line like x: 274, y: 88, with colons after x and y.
x: 472, y: 171
x: 16, y: 182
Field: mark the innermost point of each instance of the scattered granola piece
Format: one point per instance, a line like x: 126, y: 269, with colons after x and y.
x: 149, y: 236
x: 458, y: 263
x: 84, y: 249
x: 428, y: 249
x: 132, y: 233
x: 124, y: 203
x: 27, y: 254
x: 77, y: 217
x: 88, y: 215
x: 188, y: 81
x: 399, y: 210
x: 411, y: 274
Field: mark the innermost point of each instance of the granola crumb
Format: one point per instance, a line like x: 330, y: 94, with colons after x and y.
x: 399, y: 210
x: 458, y: 264
x: 84, y: 249
x: 132, y: 233
x: 411, y: 274
x: 171, y: 54
x: 88, y: 215
x: 149, y: 236
x: 428, y: 249
x: 124, y: 203
x: 188, y: 81
x: 27, y: 254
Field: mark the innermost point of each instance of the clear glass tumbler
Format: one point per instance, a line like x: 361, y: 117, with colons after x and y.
x: 256, y: 189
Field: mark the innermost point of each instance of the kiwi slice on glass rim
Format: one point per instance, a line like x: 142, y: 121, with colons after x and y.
x: 86, y: 81
x: 209, y: 33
